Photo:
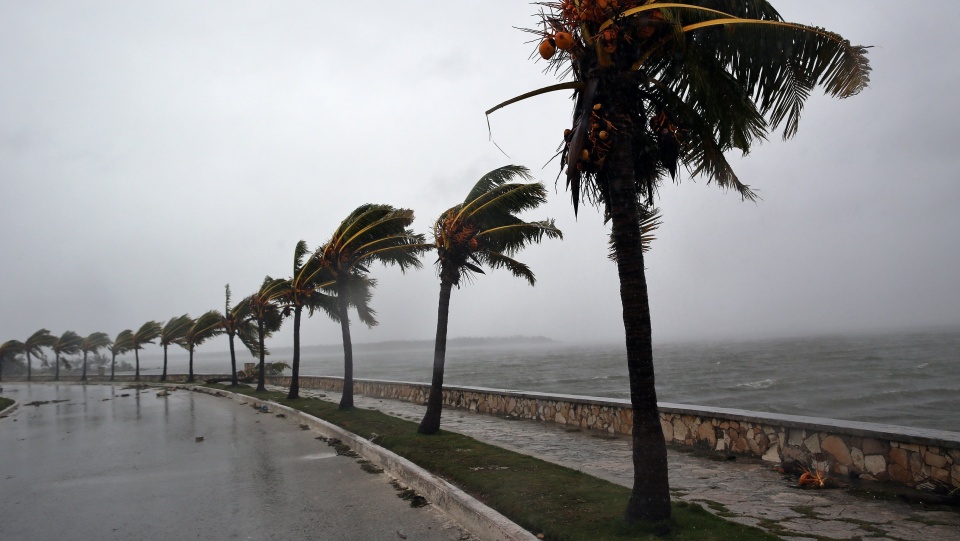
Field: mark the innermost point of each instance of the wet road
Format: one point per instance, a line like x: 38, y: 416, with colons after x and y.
x: 101, y: 465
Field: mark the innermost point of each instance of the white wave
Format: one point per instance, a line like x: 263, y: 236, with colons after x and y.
x: 762, y: 384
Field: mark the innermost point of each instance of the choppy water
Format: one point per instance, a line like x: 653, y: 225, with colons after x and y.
x: 901, y: 378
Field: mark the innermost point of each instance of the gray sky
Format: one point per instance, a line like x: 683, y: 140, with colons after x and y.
x: 151, y: 152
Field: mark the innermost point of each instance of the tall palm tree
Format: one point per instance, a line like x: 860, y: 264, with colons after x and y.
x: 482, y: 230
x: 236, y: 322
x: 91, y: 344
x: 68, y: 344
x: 201, y: 329
x: 8, y: 353
x: 264, y: 310
x: 371, y: 233
x: 657, y: 85
x: 122, y: 344
x: 304, y: 289
x: 33, y: 346
x: 146, y: 334
x: 171, y: 333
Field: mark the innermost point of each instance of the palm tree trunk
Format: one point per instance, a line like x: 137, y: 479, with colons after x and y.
x: 190, y: 376
x: 163, y: 376
x: 136, y: 355
x: 83, y: 377
x: 650, y: 497
x: 295, y: 369
x: 28, y: 365
x: 113, y: 366
x: 262, y: 376
x: 233, y: 364
x: 431, y: 421
x: 56, y: 370
x: 346, y: 399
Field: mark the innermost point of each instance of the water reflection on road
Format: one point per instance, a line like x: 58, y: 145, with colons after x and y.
x: 111, y: 462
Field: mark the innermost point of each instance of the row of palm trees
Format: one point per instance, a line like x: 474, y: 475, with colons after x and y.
x: 483, y: 230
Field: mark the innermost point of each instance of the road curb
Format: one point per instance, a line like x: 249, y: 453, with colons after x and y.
x: 10, y: 409
x: 482, y: 521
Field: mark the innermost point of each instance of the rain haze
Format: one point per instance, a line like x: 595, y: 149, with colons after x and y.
x: 151, y: 153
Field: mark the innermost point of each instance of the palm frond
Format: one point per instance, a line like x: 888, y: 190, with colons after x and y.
x: 94, y: 342
x: 496, y: 260
x: 67, y: 344
x: 146, y: 334
x: 122, y: 343
x: 497, y: 177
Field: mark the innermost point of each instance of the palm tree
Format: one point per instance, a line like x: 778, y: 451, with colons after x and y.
x: 91, y: 344
x: 659, y: 84
x: 204, y: 327
x: 171, y: 333
x: 265, y: 311
x: 122, y: 344
x: 370, y: 233
x: 68, y: 344
x: 32, y: 346
x: 146, y: 334
x: 304, y: 290
x: 8, y: 353
x: 236, y: 322
x: 482, y: 230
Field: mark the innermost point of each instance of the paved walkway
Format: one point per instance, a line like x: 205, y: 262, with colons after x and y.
x: 748, y: 492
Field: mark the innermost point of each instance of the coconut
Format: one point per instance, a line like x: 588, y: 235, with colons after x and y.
x: 547, y: 49
x: 564, y: 41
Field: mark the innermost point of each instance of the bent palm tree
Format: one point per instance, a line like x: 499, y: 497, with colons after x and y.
x: 265, y: 311
x: 659, y: 84
x: 91, y: 344
x: 235, y: 322
x: 68, y: 344
x: 200, y: 330
x: 371, y: 233
x: 33, y: 346
x: 146, y: 334
x: 304, y: 290
x: 171, y: 333
x: 483, y: 229
x: 122, y: 344
x: 8, y: 353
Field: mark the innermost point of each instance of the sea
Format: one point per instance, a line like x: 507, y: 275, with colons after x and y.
x: 907, y: 378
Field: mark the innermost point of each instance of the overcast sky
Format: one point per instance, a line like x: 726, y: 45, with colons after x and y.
x: 151, y: 152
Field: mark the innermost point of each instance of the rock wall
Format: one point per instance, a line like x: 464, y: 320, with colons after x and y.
x: 874, y: 452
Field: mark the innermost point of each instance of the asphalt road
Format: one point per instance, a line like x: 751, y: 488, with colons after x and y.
x: 108, y: 462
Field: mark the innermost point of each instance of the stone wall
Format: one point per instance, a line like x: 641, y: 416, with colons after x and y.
x: 904, y: 455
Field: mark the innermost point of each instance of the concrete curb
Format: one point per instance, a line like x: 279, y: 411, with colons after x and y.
x: 10, y: 409
x: 476, y: 517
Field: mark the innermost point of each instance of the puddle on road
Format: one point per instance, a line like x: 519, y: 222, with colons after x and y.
x: 318, y: 456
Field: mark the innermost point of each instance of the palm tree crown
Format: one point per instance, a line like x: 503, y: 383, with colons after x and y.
x: 484, y: 228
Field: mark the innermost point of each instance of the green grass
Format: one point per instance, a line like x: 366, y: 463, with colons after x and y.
x: 5, y: 403
x: 561, y: 503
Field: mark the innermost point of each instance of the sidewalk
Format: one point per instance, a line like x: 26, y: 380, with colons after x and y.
x: 747, y: 492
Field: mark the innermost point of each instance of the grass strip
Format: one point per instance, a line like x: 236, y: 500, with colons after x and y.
x: 560, y: 503
x: 5, y: 403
